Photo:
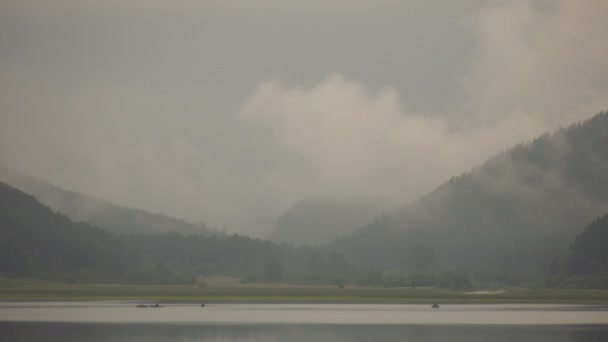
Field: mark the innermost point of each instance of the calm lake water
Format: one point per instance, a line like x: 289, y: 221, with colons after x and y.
x: 102, y: 321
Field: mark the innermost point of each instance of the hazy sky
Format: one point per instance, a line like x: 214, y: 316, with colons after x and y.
x: 228, y: 112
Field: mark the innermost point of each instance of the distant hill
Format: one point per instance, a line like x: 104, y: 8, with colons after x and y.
x: 316, y: 221
x: 37, y: 242
x: 100, y: 213
x: 517, y: 211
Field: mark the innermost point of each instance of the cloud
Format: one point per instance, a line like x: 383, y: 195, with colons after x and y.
x: 533, y: 69
x: 339, y: 137
x: 547, y: 61
x: 229, y: 112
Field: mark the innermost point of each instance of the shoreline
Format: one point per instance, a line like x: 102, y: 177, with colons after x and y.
x: 185, y: 300
x: 16, y: 290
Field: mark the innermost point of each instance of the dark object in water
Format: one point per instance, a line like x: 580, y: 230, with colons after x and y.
x: 435, y: 306
x: 142, y: 306
x: 156, y: 306
x: 202, y: 305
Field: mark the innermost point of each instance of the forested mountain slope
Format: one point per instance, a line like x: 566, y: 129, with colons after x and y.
x: 100, y: 213
x: 589, y: 251
x: 321, y: 220
x: 37, y: 242
x: 517, y: 211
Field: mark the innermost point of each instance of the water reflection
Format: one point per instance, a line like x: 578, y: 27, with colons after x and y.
x: 29, y: 331
x: 103, y: 321
x: 270, y: 314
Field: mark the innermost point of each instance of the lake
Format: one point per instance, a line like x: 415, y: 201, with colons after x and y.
x: 112, y: 321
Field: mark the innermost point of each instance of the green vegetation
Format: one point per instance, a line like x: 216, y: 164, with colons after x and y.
x: 589, y: 253
x: 587, y: 264
x: 39, y: 243
x: 518, y: 211
x: 99, y: 213
x: 11, y: 289
x: 507, y: 224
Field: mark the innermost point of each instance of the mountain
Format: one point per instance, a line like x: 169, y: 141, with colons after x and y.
x: 586, y: 263
x: 321, y: 220
x: 589, y: 252
x: 516, y: 212
x: 100, y: 213
x: 37, y: 242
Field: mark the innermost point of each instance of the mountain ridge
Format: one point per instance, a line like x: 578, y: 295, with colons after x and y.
x: 320, y: 220
x: 493, y: 215
x: 101, y: 213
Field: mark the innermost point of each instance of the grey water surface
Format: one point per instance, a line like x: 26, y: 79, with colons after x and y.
x: 103, y: 321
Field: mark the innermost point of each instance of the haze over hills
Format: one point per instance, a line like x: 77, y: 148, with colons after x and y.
x: 100, y: 213
x: 517, y: 211
x: 589, y: 255
x: 156, y: 109
x: 262, y: 115
x: 40, y: 243
x: 37, y: 242
x: 321, y: 220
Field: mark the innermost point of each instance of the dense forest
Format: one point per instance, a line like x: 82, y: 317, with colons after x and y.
x: 586, y: 264
x: 589, y: 255
x: 40, y: 243
x: 521, y: 218
x: 517, y: 212
x: 100, y: 213
x: 37, y: 242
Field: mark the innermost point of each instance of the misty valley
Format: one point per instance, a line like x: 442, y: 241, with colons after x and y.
x: 270, y: 170
x: 532, y: 216
x: 530, y: 225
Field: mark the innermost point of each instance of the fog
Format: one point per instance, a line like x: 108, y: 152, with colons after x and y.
x: 230, y: 112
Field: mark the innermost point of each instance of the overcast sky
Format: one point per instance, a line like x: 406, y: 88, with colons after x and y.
x: 228, y: 112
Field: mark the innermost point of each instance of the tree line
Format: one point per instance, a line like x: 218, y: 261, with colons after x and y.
x: 37, y: 242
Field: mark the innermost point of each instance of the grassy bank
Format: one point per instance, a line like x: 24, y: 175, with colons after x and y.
x: 13, y: 289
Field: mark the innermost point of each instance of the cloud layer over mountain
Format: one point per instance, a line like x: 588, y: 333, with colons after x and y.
x: 230, y: 112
